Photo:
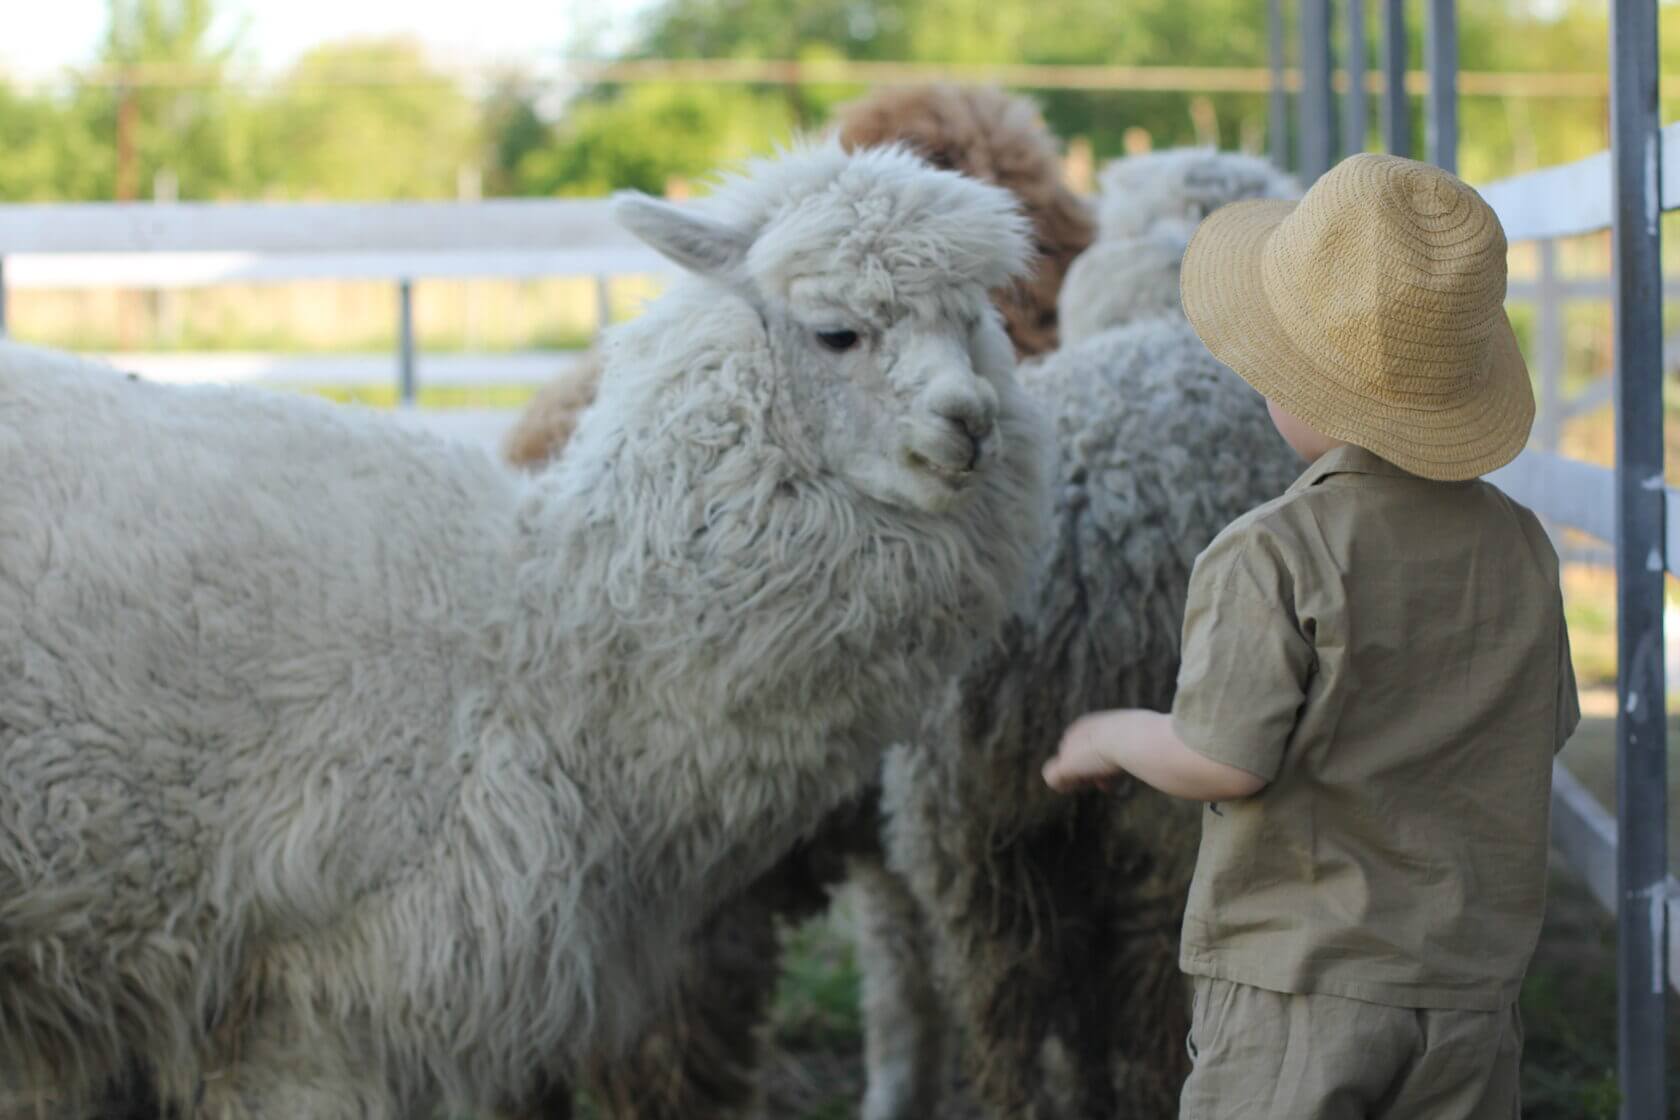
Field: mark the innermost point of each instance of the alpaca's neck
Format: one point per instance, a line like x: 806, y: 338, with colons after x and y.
x: 709, y: 646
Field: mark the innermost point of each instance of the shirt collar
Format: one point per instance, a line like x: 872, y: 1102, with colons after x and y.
x: 1346, y: 459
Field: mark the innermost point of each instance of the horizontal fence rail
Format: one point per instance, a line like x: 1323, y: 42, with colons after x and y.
x: 25, y: 271
x: 310, y: 227
x: 184, y: 245
x: 1573, y: 198
x: 513, y: 368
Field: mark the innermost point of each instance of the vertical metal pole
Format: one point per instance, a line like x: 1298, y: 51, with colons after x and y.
x: 1641, y: 733
x: 405, y: 343
x: 1277, y: 108
x: 1396, y: 107
x: 1441, y: 48
x: 1354, y: 113
x: 1549, y: 348
x: 1317, y: 130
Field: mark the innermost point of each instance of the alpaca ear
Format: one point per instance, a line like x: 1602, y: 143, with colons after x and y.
x: 697, y: 243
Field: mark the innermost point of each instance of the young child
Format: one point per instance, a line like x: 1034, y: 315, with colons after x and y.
x: 1375, y: 671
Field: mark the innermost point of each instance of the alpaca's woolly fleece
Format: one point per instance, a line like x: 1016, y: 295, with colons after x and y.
x: 1053, y: 920
x: 1182, y: 186
x: 348, y: 775
x: 1125, y: 280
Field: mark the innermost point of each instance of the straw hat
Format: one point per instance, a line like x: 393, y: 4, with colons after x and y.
x: 1374, y: 310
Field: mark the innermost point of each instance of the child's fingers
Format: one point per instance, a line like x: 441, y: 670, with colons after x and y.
x: 1073, y: 768
x: 1080, y: 760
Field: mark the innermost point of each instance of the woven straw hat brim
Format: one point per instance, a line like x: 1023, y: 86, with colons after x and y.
x: 1225, y: 300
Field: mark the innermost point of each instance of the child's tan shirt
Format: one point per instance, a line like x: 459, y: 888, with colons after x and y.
x: 1389, y: 653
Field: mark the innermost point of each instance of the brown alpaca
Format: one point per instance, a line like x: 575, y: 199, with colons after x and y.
x: 700, y: 1060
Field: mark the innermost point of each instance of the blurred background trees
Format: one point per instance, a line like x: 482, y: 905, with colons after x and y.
x: 173, y: 109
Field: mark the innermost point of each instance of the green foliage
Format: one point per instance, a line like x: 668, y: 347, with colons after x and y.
x: 51, y: 152
x: 369, y: 120
x: 378, y: 120
x: 816, y: 1000
x: 194, y: 129
x: 644, y: 135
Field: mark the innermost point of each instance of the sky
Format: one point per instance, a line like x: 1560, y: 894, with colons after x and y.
x: 38, y: 38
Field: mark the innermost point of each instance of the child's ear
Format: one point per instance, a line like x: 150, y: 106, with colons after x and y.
x: 699, y: 244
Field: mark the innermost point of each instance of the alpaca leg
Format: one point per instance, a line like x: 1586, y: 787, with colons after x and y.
x: 903, y: 1019
x: 283, y: 1074
x: 699, y: 1060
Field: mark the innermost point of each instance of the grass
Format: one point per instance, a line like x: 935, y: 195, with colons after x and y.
x: 813, y: 1067
x: 816, y: 1001
x: 1569, y: 1014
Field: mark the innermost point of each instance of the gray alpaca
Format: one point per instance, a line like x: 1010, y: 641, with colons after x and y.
x: 1047, y: 926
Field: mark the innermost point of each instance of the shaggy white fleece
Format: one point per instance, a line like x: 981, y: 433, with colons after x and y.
x: 347, y: 774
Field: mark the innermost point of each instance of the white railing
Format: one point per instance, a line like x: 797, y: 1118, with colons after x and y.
x: 184, y: 245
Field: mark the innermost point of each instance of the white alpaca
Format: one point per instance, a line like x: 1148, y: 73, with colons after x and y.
x: 347, y: 774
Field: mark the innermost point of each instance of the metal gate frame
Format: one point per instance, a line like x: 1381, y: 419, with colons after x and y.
x: 1634, y: 199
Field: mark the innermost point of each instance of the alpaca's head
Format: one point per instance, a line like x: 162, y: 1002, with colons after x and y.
x: 1181, y: 186
x: 865, y: 277
x: 995, y: 137
x: 1148, y: 209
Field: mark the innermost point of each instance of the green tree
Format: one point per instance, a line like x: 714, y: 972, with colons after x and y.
x: 513, y: 128
x: 645, y: 135
x: 367, y: 120
x: 158, y: 101
x: 51, y: 152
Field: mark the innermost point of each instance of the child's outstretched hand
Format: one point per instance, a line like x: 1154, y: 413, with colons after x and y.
x: 1085, y: 756
x: 1102, y: 746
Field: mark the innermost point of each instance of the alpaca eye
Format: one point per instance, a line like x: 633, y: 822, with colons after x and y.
x: 838, y: 341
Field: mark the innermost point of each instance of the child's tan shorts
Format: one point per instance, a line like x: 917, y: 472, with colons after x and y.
x: 1261, y: 1055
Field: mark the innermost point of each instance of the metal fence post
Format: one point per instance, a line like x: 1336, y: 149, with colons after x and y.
x: 1277, y: 106
x: 1442, y: 50
x: 1317, y: 138
x: 1396, y: 106
x: 1641, y: 731
x: 1355, y: 116
x: 406, y: 388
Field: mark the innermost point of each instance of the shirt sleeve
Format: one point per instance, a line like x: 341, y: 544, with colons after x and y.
x: 1569, y: 700
x: 1244, y: 665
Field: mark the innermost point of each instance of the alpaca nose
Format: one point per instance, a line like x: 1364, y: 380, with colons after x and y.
x: 976, y: 433
x: 973, y: 417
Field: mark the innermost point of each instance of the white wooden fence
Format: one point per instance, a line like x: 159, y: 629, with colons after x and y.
x: 186, y: 245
